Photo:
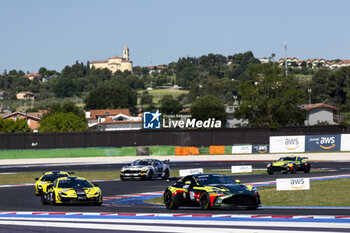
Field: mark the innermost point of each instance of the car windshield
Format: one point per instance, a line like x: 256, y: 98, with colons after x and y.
x: 214, y: 179
x: 52, y: 177
x: 287, y: 159
x: 74, y: 183
x: 142, y: 162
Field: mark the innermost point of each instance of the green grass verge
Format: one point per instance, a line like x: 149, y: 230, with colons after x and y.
x: 335, y: 194
x: 65, y: 153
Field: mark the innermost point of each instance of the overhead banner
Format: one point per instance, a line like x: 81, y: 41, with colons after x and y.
x: 287, y: 144
x: 345, y: 142
x: 242, y: 149
x: 330, y: 142
x: 260, y: 149
x: 292, y: 184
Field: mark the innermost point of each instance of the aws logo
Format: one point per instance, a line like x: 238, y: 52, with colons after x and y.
x: 291, y: 143
x: 329, y: 141
x: 297, y: 183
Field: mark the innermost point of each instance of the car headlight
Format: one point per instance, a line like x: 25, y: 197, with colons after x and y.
x: 144, y: 169
x: 62, y: 193
x: 97, y: 192
x: 269, y: 165
x: 218, y: 191
x: 123, y: 169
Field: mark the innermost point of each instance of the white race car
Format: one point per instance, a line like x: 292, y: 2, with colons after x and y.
x: 145, y: 169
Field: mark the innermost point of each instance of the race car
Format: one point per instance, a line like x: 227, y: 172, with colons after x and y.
x: 211, y: 191
x: 46, y: 179
x: 290, y: 164
x: 71, y: 190
x: 145, y: 169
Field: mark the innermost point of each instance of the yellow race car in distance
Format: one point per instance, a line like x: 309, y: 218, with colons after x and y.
x: 72, y: 190
x: 46, y: 179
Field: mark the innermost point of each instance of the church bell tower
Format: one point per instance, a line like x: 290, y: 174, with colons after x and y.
x: 126, y: 52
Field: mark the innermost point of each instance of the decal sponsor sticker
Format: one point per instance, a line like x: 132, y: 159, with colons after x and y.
x: 293, y: 184
x: 287, y: 144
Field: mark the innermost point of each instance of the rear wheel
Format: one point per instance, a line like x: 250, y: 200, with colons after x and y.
x: 270, y: 171
x: 169, y: 201
x: 204, y: 201
x: 166, y: 174
x: 43, y: 199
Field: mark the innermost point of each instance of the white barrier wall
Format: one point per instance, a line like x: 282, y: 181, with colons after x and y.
x: 242, y: 149
x: 345, y: 142
x: 287, y: 144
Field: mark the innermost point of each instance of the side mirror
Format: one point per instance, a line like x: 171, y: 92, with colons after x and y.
x: 36, y: 179
x: 96, y: 185
x: 238, y: 181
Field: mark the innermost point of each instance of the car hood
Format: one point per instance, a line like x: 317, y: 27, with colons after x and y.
x: 136, y: 167
x: 281, y: 163
x: 87, y: 191
x: 232, y: 188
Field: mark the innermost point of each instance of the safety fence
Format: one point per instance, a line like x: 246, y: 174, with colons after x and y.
x: 163, y: 137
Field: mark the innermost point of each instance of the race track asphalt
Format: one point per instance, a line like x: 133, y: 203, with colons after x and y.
x: 23, y: 199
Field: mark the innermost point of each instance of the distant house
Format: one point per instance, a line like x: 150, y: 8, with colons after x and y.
x: 32, y: 76
x: 26, y: 95
x: 319, y: 113
x: 32, y: 118
x: 112, y: 119
x: 157, y: 69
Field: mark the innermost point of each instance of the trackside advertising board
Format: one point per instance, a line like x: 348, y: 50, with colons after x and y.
x: 330, y: 142
x: 260, y: 149
x: 345, y: 142
x: 287, y: 144
x: 192, y: 171
x: 242, y: 149
x: 292, y: 184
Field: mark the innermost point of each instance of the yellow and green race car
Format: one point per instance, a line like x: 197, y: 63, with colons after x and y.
x: 210, y: 191
x: 46, y: 179
x: 290, y: 164
x: 72, y: 190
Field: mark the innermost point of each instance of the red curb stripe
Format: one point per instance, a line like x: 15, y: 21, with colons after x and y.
x: 202, y: 215
x: 57, y: 213
x: 281, y: 216
x: 127, y: 214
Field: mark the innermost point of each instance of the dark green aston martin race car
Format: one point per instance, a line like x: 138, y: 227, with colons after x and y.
x: 290, y: 164
x: 210, y: 191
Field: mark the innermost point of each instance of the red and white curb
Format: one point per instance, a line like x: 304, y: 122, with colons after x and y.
x: 252, y: 216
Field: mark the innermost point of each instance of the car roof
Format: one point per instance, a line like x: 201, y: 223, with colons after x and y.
x: 148, y: 160
x: 71, y: 178
x: 55, y: 172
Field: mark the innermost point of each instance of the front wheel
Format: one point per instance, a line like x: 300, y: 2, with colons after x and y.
x: 204, y: 201
x: 293, y: 169
x: 52, y: 197
x: 150, y: 175
x: 169, y: 201
x: 270, y: 171
x: 307, y: 169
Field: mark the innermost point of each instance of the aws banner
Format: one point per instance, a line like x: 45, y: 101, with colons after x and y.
x: 287, y: 144
x: 329, y: 142
x: 260, y: 149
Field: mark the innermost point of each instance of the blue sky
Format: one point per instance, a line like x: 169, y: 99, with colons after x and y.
x: 52, y: 34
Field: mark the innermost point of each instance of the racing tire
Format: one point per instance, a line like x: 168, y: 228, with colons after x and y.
x: 97, y: 203
x: 150, y: 175
x: 270, y: 171
x: 169, y: 201
x: 166, y: 174
x: 122, y: 178
x: 252, y: 207
x: 307, y: 169
x: 43, y: 201
x: 204, y: 201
